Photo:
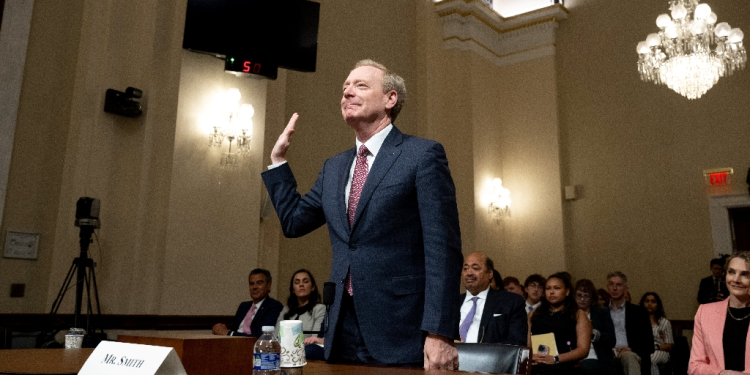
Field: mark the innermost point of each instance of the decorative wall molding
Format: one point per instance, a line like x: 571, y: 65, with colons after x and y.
x: 471, y: 25
x: 14, y: 38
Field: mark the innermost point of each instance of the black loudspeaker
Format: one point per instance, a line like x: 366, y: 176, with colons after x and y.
x: 123, y: 103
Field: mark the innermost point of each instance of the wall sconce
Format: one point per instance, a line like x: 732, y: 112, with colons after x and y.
x: 233, y: 122
x: 499, y: 206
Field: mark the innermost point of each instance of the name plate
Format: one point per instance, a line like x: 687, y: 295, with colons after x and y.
x: 119, y: 358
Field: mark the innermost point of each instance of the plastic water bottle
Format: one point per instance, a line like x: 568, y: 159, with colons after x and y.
x: 267, y: 354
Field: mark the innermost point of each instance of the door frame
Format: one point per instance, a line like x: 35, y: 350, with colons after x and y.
x: 721, y: 227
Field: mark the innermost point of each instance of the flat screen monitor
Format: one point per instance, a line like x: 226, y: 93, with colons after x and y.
x: 274, y: 32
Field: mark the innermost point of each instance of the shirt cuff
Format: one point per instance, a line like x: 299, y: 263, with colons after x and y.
x: 272, y: 166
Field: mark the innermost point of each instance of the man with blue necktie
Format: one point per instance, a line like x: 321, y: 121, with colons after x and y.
x: 489, y: 315
x: 390, y: 207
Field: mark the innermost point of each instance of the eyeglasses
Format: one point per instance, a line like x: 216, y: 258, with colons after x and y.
x: 582, y: 296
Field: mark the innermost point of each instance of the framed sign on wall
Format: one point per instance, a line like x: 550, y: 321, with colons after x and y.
x: 21, y: 245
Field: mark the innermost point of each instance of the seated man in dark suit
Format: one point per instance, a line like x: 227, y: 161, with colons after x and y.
x: 714, y: 287
x: 253, y: 315
x: 489, y: 315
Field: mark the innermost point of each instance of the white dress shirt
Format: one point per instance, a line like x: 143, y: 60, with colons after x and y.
x: 473, y: 333
x: 373, y: 145
x: 530, y: 307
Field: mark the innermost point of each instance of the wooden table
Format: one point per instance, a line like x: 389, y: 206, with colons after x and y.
x: 43, y: 361
x: 70, y: 361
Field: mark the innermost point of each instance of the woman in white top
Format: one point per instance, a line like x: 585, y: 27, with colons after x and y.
x: 661, y: 328
x: 303, y: 303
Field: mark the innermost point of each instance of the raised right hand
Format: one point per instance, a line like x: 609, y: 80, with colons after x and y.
x: 278, y: 154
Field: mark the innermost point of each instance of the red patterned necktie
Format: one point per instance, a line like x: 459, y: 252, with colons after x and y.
x: 358, y: 181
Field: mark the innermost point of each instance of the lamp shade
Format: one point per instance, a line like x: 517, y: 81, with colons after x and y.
x: 679, y: 12
x: 663, y: 21
x: 702, y: 11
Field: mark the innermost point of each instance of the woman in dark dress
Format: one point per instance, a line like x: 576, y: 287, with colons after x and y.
x: 559, y: 314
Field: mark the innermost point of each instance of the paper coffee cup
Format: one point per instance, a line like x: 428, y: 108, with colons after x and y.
x: 292, y: 343
x: 73, y: 341
x: 74, y: 338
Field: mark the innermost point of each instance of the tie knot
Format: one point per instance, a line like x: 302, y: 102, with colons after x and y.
x: 474, y: 299
x: 363, y: 151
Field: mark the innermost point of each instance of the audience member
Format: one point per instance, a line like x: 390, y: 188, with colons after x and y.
x: 603, y: 300
x: 489, y: 315
x: 661, y: 329
x: 315, y: 345
x: 303, y: 303
x: 714, y: 287
x: 599, y: 360
x: 252, y: 315
x: 512, y: 285
x: 559, y: 314
x: 496, y: 278
x: 635, y: 342
x: 534, y: 288
x: 720, y: 333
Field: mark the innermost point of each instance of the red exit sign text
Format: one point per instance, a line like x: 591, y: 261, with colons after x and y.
x: 717, y: 178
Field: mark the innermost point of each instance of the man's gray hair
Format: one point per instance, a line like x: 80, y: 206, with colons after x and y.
x: 391, y: 82
x: 618, y: 274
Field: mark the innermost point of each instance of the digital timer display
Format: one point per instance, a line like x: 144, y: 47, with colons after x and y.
x: 242, y: 66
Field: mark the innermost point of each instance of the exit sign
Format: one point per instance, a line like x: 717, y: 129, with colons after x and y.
x: 718, y: 177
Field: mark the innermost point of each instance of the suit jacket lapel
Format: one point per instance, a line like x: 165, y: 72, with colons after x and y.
x: 487, y: 312
x: 388, y: 153
x: 719, y: 319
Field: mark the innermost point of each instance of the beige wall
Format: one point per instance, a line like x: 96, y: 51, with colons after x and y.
x: 175, y: 241
x: 637, y: 151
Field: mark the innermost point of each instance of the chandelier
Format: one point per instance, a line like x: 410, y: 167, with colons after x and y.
x: 234, y: 122
x: 689, y: 55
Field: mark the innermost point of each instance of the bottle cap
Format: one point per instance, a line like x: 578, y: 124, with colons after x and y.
x: 268, y: 328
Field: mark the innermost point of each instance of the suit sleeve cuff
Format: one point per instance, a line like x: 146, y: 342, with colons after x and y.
x: 272, y: 166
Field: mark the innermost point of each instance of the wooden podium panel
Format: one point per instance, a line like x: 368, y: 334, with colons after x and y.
x: 203, y: 354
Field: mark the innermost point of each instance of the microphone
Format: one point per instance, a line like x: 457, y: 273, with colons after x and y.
x: 329, y: 295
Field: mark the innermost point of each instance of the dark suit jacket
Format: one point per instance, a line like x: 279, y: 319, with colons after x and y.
x: 602, y: 321
x: 707, y: 290
x: 504, y: 319
x: 265, y: 316
x: 640, y: 336
x: 403, y: 249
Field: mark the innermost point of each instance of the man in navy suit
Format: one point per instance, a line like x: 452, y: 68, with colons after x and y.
x: 261, y: 311
x: 489, y: 315
x: 390, y: 207
x: 714, y: 287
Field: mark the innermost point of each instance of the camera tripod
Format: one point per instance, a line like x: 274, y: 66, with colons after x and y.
x: 83, y: 270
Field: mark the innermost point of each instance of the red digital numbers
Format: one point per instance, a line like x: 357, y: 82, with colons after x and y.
x: 249, y: 67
